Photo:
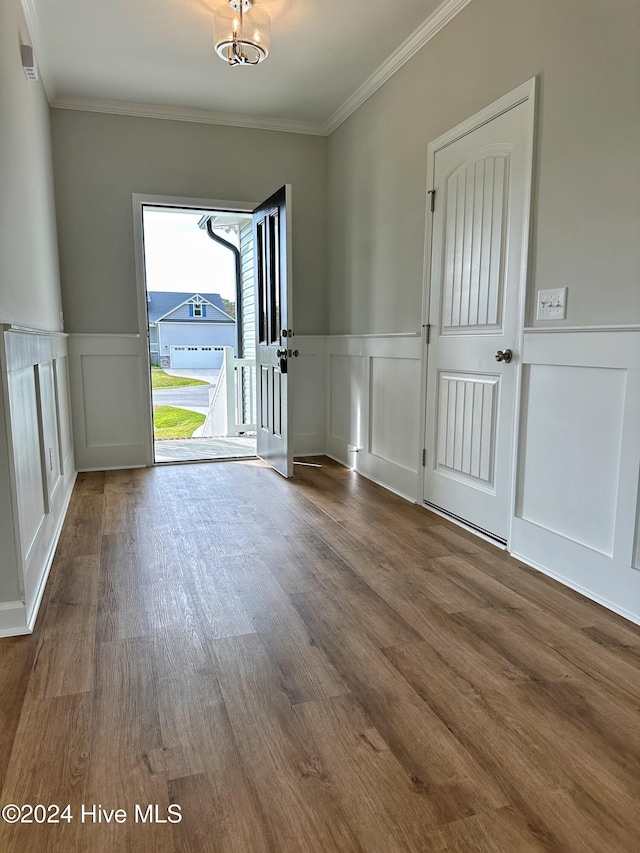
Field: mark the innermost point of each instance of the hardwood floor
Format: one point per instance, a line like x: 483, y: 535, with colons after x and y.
x: 314, y: 666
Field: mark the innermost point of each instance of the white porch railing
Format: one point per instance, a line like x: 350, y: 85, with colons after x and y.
x: 232, y: 403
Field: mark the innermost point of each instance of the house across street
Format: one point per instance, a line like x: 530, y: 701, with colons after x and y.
x: 188, y: 330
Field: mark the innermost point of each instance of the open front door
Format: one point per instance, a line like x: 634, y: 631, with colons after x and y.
x: 274, y: 349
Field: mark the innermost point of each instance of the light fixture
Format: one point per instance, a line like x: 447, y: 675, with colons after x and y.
x: 242, y: 33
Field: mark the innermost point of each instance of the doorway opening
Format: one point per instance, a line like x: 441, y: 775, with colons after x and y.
x: 200, y: 308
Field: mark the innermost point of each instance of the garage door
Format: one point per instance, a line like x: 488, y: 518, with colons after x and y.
x: 196, y: 356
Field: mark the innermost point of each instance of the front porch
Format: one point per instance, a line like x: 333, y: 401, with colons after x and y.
x: 202, y: 449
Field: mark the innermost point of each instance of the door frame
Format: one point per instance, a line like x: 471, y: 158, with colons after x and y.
x: 139, y: 200
x: 524, y: 94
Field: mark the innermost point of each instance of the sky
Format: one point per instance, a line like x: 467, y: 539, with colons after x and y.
x: 180, y: 256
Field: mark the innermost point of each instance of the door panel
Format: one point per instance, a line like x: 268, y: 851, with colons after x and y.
x: 272, y: 236
x: 478, y: 239
x: 475, y: 215
x: 264, y: 397
x: 277, y: 402
x: 466, y: 428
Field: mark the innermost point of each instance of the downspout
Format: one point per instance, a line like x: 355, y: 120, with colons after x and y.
x: 236, y: 253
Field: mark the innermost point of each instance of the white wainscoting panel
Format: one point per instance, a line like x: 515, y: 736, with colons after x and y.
x: 23, y: 406
x: 50, y: 444
x: 36, y: 468
x: 348, y: 400
x: 577, y: 513
x: 395, y: 410
x: 307, y: 383
x: 573, y: 418
x: 63, y: 404
x: 373, y: 407
x: 110, y: 401
x: 111, y: 392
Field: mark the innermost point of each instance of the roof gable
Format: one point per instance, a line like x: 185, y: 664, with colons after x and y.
x: 163, y: 303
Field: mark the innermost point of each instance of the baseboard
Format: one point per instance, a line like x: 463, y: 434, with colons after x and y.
x: 592, y: 596
x: 109, y: 468
x: 13, y: 619
x: 371, y: 479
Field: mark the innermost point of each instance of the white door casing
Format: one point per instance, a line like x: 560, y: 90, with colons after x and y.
x: 476, y: 275
x: 274, y: 347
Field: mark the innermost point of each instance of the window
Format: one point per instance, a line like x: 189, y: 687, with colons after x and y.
x: 197, y: 309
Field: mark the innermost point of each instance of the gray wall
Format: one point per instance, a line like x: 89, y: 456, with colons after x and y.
x: 100, y: 160
x: 587, y: 214
x: 29, y: 281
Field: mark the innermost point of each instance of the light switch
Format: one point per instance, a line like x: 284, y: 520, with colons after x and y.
x: 552, y: 304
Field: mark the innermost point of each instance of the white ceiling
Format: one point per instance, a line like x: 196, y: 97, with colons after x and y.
x: 160, y: 52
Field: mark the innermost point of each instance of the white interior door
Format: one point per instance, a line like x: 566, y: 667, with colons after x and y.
x: 478, y: 277
x: 272, y: 246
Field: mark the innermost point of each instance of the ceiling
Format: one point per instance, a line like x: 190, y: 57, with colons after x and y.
x: 160, y: 52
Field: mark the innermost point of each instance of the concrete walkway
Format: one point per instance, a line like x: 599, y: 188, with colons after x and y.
x: 200, y: 449
x: 206, y: 374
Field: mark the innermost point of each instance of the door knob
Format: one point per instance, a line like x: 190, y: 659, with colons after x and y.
x: 281, y: 353
x: 504, y: 355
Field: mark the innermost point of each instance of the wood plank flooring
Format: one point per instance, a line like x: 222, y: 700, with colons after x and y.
x: 309, y: 667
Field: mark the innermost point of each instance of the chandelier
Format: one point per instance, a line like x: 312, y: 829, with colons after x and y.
x: 242, y: 33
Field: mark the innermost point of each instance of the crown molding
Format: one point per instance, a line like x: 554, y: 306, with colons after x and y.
x: 31, y: 17
x: 30, y: 14
x: 425, y: 32
x: 125, y: 108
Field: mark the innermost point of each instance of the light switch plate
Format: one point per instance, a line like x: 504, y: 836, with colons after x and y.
x: 552, y: 304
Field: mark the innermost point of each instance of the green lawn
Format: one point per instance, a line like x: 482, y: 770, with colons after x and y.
x: 169, y: 422
x: 160, y: 379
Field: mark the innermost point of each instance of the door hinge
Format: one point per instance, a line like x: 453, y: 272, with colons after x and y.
x: 432, y: 194
x: 427, y: 332
x: 424, y: 458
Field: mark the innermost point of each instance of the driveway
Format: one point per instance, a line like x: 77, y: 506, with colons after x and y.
x: 195, y: 398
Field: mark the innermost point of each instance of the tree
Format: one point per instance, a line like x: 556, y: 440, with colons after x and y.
x: 229, y: 307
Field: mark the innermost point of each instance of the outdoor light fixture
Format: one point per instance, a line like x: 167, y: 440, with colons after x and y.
x: 242, y: 33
